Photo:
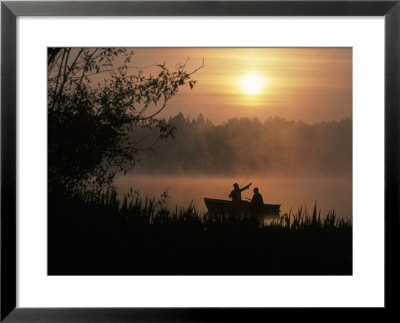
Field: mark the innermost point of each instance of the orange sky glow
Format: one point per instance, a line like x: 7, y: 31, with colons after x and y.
x: 309, y: 84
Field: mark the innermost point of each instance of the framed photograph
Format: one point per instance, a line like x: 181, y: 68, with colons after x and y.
x: 197, y: 160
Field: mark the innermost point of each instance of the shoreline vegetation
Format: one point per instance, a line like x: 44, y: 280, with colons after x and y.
x: 106, y: 116
x: 102, y: 235
x: 271, y: 147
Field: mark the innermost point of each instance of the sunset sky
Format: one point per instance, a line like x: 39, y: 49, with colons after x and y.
x: 309, y: 84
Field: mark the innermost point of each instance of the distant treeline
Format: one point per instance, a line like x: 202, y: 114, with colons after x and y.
x: 275, y: 146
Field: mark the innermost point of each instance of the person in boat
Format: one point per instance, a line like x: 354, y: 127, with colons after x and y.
x: 257, y: 201
x: 236, y: 196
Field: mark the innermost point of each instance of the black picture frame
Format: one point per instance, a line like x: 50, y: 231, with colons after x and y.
x: 10, y: 10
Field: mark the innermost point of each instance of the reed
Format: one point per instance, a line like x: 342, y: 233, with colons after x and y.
x: 106, y: 234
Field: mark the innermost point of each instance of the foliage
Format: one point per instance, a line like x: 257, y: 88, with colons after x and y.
x: 248, y: 146
x: 93, y: 101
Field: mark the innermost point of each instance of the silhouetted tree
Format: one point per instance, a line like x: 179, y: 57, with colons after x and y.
x: 248, y: 146
x: 94, y: 102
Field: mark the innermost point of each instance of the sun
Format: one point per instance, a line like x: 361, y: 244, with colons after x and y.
x: 252, y: 84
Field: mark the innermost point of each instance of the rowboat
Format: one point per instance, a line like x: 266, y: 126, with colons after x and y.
x: 225, y: 207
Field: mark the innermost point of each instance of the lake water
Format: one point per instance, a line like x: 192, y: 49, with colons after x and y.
x: 292, y: 193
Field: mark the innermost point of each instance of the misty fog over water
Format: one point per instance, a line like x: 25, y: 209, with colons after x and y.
x: 292, y: 163
x: 291, y: 192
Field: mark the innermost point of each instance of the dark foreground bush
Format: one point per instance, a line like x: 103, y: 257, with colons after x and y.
x: 100, y: 236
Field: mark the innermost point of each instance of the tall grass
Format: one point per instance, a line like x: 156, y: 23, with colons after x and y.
x: 152, y: 210
x: 303, y: 220
x: 101, y: 234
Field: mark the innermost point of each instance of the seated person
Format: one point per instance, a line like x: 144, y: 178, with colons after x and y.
x: 257, y: 201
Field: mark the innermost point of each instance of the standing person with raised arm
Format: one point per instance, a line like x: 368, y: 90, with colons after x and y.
x: 236, y: 196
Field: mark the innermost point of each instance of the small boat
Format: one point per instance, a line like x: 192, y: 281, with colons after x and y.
x: 225, y: 206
